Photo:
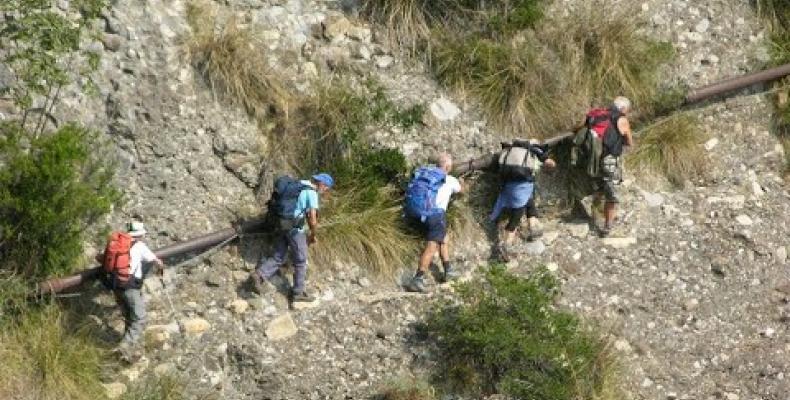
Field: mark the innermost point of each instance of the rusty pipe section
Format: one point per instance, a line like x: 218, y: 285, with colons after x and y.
x: 736, y: 83
x: 57, y: 285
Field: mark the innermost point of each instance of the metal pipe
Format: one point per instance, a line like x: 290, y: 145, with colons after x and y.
x: 58, y: 285
x: 736, y: 83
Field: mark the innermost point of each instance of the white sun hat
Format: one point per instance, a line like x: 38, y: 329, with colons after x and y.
x: 136, y: 229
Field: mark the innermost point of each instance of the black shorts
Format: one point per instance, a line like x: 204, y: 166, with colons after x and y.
x: 434, y: 228
x: 514, y: 220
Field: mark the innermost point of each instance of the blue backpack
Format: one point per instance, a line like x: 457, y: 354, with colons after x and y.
x: 421, y: 193
x: 282, y: 205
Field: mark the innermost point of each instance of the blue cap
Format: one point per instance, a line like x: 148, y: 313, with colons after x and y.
x: 324, y: 178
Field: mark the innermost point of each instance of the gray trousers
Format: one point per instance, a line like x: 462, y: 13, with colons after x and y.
x: 133, y: 309
x: 296, y: 241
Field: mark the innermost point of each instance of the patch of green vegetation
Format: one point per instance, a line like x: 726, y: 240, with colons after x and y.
x: 44, y: 358
x: 672, y: 147
x: 52, y: 188
x: 503, y: 334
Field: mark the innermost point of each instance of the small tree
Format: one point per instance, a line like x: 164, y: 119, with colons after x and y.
x: 51, y: 189
x: 40, y: 45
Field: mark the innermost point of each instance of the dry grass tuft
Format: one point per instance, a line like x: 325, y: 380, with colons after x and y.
x: 45, y: 360
x: 407, y: 389
x: 368, y: 233
x: 408, y: 22
x: 540, y: 82
x: 514, y: 81
x: 165, y: 387
x: 608, y: 54
x: 229, y: 58
x: 672, y: 147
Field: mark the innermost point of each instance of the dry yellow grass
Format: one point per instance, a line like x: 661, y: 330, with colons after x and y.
x: 671, y: 147
x: 230, y: 59
x: 43, y: 359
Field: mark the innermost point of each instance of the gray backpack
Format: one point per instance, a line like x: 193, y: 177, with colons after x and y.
x: 516, y: 161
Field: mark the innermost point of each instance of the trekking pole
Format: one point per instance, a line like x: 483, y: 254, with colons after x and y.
x: 167, y: 296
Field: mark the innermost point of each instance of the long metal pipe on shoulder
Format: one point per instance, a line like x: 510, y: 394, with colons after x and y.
x: 57, y: 285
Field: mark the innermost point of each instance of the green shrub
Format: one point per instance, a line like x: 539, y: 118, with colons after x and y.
x: 52, y: 188
x: 672, y: 147
x: 45, y: 359
x: 504, y: 335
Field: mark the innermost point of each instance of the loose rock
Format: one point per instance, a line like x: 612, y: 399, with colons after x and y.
x: 444, y: 110
x: 281, y: 327
x: 619, y: 243
x: 196, y: 326
x: 114, y: 390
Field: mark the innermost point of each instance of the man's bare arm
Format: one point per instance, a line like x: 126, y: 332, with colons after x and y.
x: 312, y: 222
x: 625, y: 129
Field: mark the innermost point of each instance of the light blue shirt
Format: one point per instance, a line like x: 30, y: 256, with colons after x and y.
x: 308, y: 200
x: 513, y: 195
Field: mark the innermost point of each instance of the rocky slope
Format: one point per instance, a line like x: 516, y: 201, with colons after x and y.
x: 688, y: 287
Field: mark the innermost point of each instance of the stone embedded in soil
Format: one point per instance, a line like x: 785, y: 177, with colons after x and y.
x: 281, y: 327
x: 619, y: 242
x: 195, y: 326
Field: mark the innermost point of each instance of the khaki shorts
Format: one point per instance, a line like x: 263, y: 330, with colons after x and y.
x: 611, y: 177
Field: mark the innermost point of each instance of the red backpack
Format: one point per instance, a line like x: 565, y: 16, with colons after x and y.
x: 117, y: 261
x: 603, y: 123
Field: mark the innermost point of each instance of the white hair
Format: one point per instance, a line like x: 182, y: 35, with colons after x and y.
x: 444, y: 160
x: 622, y: 103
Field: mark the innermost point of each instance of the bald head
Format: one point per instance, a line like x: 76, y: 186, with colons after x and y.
x: 444, y: 161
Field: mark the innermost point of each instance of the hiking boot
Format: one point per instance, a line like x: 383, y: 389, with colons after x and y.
x: 260, y: 285
x: 417, y: 284
x: 605, y: 230
x: 302, y: 297
x: 450, y: 274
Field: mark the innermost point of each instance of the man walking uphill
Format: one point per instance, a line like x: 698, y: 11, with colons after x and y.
x: 614, y: 130
x: 293, y: 204
x: 122, y: 263
x: 426, y: 204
